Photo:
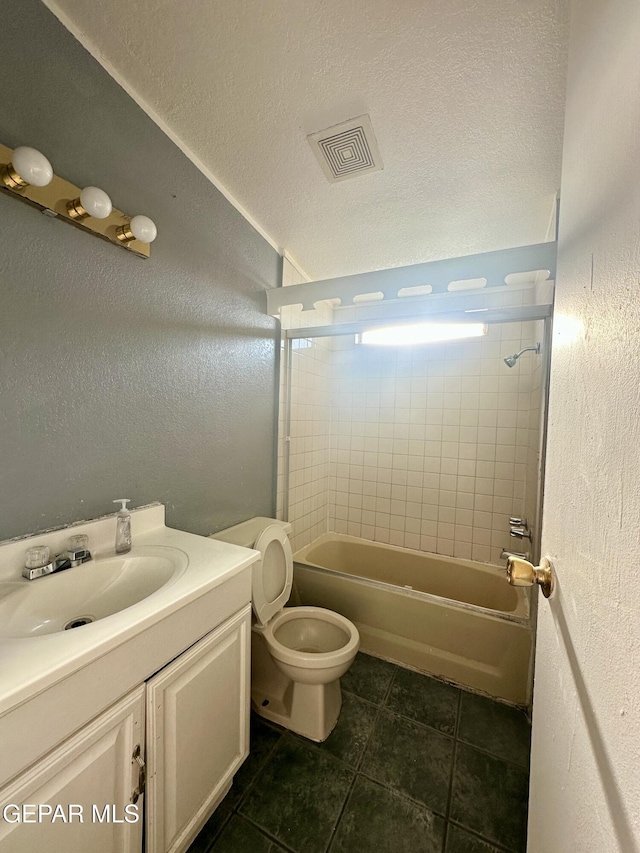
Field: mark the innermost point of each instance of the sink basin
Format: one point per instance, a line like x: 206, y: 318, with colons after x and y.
x: 76, y: 597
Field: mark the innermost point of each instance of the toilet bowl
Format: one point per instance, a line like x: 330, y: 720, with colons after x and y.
x: 298, y: 654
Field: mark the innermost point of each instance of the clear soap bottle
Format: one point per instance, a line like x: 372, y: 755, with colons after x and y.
x: 123, y: 527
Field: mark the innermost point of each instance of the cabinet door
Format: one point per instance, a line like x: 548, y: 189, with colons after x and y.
x: 74, y: 799
x: 198, y: 733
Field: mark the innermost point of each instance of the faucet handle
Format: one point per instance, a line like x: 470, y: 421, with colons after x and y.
x: 514, y: 521
x: 78, y: 549
x: 520, y: 533
x: 37, y: 562
x: 37, y: 556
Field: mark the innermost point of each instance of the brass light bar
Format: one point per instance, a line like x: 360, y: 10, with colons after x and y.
x: 58, y: 200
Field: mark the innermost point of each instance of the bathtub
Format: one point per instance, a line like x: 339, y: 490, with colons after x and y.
x: 455, y: 619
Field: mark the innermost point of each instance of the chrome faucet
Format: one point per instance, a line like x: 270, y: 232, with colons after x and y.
x: 520, y: 533
x: 38, y: 563
x: 519, y: 528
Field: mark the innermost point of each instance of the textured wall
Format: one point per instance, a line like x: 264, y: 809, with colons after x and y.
x: 586, y: 727
x: 150, y: 379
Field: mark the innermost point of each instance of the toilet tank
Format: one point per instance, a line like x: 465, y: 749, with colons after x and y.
x: 247, y: 532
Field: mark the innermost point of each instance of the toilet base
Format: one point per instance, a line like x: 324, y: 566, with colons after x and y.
x: 310, y: 710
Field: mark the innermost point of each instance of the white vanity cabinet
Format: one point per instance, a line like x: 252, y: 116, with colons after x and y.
x: 93, y: 768
x: 197, y: 733
x: 196, y: 714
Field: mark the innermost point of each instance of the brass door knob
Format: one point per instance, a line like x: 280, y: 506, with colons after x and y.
x: 523, y: 573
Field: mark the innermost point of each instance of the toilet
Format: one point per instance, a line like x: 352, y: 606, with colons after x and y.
x: 298, y: 654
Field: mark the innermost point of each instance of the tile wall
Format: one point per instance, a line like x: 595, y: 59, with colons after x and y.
x: 310, y: 422
x: 429, y: 448
x: 430, y: 444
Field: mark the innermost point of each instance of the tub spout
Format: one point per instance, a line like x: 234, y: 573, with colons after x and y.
x: 506, y: 554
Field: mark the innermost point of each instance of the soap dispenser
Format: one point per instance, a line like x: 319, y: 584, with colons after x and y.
x: 123, y: 527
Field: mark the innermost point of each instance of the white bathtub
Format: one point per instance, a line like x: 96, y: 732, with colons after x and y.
x: 455, y: 619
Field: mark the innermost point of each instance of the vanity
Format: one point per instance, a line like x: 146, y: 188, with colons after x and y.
x: 139, y: 718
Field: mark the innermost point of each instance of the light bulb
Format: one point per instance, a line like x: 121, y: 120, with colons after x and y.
x: 92, y: 202
x: 32, y: 166
x: 27, y: 166
x: 143, y: 229
x: 139, y: 228
x: 96, y: 202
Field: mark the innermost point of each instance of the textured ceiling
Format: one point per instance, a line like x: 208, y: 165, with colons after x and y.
x: 466, y: 98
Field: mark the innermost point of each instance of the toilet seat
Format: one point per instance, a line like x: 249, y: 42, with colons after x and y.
x: 272, y: 575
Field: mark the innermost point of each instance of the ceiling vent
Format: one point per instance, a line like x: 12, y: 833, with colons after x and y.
x: 347, y: 150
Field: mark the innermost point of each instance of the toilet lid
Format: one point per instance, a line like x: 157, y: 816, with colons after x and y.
x: 272, y: 575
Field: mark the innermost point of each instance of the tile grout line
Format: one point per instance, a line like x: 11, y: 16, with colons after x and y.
x: 453, y: 771
x: 361, y: 759
x: 508, y: 761
x: 214, y: 840
x: 495, y: 844
x: 244, y: 796
x: 342, y: 811
x: 268, y: 835
x: 459, y: 741
x: 401, y: 795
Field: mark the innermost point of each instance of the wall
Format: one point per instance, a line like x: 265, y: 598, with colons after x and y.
x: 310, y: 432
x: 430, y: 444
x: 585, y: 786
x: 149, y: 379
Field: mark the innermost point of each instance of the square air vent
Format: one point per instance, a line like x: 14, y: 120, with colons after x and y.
x: 347, y: 150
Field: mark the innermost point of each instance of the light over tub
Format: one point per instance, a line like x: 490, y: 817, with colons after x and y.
x: 455, y: 619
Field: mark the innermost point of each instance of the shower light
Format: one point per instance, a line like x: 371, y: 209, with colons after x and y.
x: 421, y: 333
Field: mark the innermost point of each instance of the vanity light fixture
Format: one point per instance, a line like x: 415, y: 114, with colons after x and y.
x: 27, y: 166
x: 421, y: 333
x: 138, y: 228
x: 27, y: 175
x: 91, y: 202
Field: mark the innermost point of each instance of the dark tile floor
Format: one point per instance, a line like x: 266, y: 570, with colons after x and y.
x: 413, y: 766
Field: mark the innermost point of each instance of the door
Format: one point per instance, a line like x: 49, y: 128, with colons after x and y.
x: 198, y: 733
x: 585, y: 783
x: 79, y: 797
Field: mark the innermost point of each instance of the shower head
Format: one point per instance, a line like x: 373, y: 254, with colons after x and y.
x: 510, y: 360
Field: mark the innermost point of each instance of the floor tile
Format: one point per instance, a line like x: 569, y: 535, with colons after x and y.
x: 412, y: 759
x: 210, y: 830
x: 239, y: 836
x: 355, y: 724
x: 262, y: 740
x: 425, y: 700
x: 376, y: 819
x: 496, y: 728
x: 490, y: 797
x: 368, y: 677
x: 460, y: 841
x: 298, y: 796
